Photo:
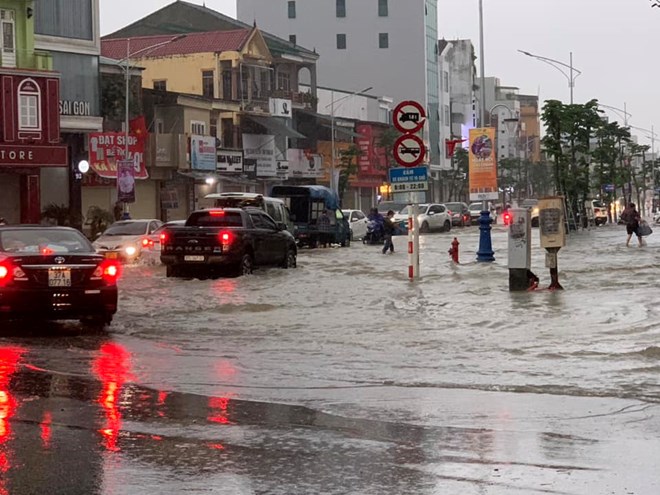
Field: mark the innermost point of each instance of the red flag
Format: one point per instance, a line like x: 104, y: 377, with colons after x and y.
x: 451, y: 146
x: 138, y: 126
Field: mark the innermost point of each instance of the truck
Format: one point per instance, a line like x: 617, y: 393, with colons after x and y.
x: 220, y: 240
x: 306, y: 204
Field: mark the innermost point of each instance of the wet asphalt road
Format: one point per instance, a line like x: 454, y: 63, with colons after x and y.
x: 341, y: 377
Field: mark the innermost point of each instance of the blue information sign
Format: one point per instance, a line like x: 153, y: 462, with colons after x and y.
x: 409, y: 179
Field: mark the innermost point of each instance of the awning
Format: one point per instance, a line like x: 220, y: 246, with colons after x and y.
x: 343, y: 130
x: 220, y: 177
x: 276, y: 126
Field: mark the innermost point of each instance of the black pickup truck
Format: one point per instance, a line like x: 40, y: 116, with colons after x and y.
x: 218, y: 240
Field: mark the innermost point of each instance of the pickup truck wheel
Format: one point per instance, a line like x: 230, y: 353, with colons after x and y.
x: 246, y: 266
x: 291, y: 259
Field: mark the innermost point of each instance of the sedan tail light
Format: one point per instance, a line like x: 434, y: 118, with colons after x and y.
x: 108, y: 271
x: 145, y: 242
x: 6, y: 273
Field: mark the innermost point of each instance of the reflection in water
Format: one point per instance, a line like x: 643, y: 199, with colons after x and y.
x: 219, y: 410
x: 113, y: 368
x: 46, y: 429
x: 9, y: 358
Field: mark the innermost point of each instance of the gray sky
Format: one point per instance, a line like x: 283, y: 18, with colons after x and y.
x: 614, y: 44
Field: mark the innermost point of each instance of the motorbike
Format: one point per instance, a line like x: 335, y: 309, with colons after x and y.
x: 375, y: 233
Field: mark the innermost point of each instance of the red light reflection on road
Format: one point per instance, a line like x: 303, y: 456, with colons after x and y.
x: 225, y: 369
x: 113, y: 368
x: 46, y: 429
x: 219, y: 407
x: 224, y: 286
x: 9, y: 359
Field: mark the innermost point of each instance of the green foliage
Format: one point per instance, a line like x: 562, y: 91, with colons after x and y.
x: 98, y: 220
x: 113, y: 90
x: 61, y: 215
x: 386, y: 141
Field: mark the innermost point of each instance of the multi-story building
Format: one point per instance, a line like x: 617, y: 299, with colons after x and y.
x: 33, y: 163
x: 503, y: 112
x: 70, y: 31
x: 530, y: 137
x: 463, y: 81
x: 389, y: 45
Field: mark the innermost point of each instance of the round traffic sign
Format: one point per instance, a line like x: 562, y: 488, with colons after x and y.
x: 409, y: 150
x: 409, y: 117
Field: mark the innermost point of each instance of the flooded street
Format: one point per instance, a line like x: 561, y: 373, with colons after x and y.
x: 342, y: 377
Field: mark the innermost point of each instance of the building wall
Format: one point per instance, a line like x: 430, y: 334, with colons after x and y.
x: 182, y: 73
x: 10, y: 198
x: 397, y: 71
x: 462, y: 74
x: 531, y: 130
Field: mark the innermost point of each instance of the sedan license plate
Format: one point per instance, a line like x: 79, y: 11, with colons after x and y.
x: 111, y: 255
x: 193, y: 258
x: 59, y: 277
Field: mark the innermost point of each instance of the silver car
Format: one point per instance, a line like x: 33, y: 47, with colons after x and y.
x: 126, y: 239
x: 431, y: 216
x: 357, y: 222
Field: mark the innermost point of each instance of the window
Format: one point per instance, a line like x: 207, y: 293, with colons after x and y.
x: 207, y: 84
x: 29, y: 99
x: 383, y: 40
x: 198, y: 128
x: 382, y: 8
x: 160, y: 126
x: 283, y: 80
x: 341, y: 42
x: 226, y: 85
x: 341, y: 8
x: 160, y: 85
x: 8, y: 38
x: 292, y: 9
x: 293, y: 39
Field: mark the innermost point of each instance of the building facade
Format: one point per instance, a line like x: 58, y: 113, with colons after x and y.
x: 503, y: 112
x: 530, y: 137
x: 33, y: 162
x: 70, y: 31
x: 389, y: 45
x: 463, y: 81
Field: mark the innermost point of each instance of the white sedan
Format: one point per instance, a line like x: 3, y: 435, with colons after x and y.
x: 357, y: 222
x: 431, y: 216
x: 125, y: 239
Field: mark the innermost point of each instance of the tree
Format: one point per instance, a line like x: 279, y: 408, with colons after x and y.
x: 347, y: 167
x: 386, y: 141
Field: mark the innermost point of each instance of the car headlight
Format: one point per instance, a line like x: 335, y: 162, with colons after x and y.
x: 130, y: 250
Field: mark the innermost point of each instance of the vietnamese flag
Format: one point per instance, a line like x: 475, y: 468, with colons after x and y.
x: 138, y: 126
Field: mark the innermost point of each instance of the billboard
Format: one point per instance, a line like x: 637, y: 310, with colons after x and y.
x: 107, y: 148
x: 483, y: 165
x: 125, y: 181
x: 259, y: 149
x: 230, y: 161
x: 202, y: 153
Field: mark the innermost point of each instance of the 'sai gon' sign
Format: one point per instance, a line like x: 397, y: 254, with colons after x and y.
x: 76, y: 108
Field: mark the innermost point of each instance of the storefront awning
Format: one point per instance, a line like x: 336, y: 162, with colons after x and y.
x: 231, y: 179
x: 277, y: 126
x: 343, y: 130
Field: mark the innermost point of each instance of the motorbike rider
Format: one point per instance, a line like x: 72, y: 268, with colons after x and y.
x: 375, y: 228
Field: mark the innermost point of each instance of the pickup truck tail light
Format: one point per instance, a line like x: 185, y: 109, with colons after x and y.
x: 163, y: 239
x: 226, y: 239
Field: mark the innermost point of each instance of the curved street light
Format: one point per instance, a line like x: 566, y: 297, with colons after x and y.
x: 572, y: 74
x: 332, y: 128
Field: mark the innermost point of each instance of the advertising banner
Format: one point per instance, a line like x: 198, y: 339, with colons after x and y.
x: 125, y: 181
x: 280, y: 107
x: 260, y: 148
x: 230, y: 161
x: 107, y: 148
x: 304, y: 164
x: 202, y: 153
x: 483, y: 165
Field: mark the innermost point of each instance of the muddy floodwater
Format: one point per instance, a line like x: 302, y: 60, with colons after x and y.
x: 342, y: 377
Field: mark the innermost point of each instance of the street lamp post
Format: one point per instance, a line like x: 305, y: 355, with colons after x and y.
x: 572, y: 75
x: 332, y: 128
x: 127, y: 79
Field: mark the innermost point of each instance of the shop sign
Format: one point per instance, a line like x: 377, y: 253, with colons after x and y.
x: 203, y: 153
x: 230, y: 161
x: 75, y: 108
x: 304, y: 164
x: 37, y: 156
x: 107, y: 148
x: 261, y: 148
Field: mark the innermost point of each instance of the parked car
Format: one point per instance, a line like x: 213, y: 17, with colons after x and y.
x: 152, y: 245
x: 459, y: 213
x: 431, y: 216
x: 533, y: 206
x: 126, y: 239
x: 226, y: 239
x: 53, y: 273
x: 357, y: 222
x: 386, y: 206
x: 596, y: 212
x: 475, y: 212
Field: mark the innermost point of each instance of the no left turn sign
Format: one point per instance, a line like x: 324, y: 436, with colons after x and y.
x: 409, y: 117
x: 409, y: 150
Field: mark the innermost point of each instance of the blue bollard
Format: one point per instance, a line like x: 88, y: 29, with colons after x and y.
x: 485, y: 253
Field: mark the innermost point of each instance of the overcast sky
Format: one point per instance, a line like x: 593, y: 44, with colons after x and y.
x: 614, y: 43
